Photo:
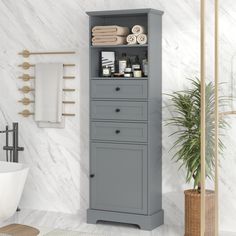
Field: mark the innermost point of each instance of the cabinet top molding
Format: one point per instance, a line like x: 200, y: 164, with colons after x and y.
x: 125, y: 12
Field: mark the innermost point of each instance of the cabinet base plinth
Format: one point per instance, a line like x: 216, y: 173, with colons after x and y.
x: 145, y: 222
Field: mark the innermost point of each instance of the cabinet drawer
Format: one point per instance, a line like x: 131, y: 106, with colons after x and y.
x: 118, y: 110
x: 119, y: 177
x: 119, y: 89
x: 136, y: 132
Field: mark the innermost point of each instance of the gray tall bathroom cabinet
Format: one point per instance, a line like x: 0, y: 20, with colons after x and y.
x: 125, y: 128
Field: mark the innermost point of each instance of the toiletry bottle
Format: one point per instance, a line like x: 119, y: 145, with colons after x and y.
x: 136, y: 65
x: 145, y: 65
x: 122, y: 63
x: 137, y: 73
x: 106, y: 71
x: 128, y: 69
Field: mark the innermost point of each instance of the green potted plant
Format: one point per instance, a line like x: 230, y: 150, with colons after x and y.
x: 187, y: 119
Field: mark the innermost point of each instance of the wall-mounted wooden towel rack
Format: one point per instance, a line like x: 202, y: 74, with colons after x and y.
x: 26, y: 53
x: 27, y: 113
x: 26, y: 65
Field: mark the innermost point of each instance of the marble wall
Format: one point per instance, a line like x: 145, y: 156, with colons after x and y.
x: 58, y: 179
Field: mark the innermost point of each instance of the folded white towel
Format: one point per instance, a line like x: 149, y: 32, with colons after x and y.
x: 131, y: 39
x: 142, y: 39
x: 108, y: 40
x: 48, y: 92
x: 114, y: 30
x: 138, y: 29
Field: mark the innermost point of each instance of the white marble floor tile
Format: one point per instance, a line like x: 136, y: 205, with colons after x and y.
x: 52, y: 223
x: 44, y: 231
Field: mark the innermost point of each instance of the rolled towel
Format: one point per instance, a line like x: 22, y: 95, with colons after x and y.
x: 110, y: 30
x: 108, y: 40
x: 138, y: 29
x: 142, y: 39
x: 131, y: 39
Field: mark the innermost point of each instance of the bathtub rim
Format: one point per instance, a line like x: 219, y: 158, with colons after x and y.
x: 21, y: 167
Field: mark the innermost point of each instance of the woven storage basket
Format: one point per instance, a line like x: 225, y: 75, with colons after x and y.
x: 193, y: 213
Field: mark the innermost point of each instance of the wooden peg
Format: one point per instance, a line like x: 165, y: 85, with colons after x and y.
x: 26, y: 113
x: 26, y: 65
x: 68, y: 102
x: 26, y: 101
x: 68, y: 114
x: 26, y: 77
x: 26, y: 89
x: 26, y: 53
x: 68, y: 77
x: 68, y: 90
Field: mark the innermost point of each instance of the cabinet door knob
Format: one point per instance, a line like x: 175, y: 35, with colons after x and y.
x: 117, y: 131
x: 92, y: 175
x: 117, y: 88
x: 117, y: 110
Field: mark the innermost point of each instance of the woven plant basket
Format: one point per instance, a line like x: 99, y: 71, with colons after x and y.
x: 193, y: 213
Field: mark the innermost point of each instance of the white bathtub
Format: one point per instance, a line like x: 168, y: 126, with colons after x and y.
x: 12, y: 181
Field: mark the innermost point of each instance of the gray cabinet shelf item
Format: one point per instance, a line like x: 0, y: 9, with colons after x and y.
x: 125, y: 128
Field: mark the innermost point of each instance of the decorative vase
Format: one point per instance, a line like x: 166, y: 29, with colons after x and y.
x: 193, y: 213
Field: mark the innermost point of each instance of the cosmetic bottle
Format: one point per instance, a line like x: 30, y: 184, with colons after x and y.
x: 106, y: 71
x: 145, y: 65
x: 137, y: 73
x: 122, y: 63
x: 136, y: 65
x: 128, y: 69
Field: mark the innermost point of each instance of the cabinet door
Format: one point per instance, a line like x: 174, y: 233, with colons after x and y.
x: 119, y: 177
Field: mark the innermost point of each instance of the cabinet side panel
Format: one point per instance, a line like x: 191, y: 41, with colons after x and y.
x: 93, y: 21
x: 155, y: 114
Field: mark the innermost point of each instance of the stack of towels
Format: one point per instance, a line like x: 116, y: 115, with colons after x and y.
x: 138, y: 35
x: 109, y: 35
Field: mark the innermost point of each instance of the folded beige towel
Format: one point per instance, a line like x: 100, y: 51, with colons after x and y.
x: 131, y: 39
x: 108, y: 40
x: 142, y: 39
x: 138, y: 29
x: 110, y: 30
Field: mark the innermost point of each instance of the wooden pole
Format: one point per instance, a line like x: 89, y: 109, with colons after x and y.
x: 203, y: 120
x: 216, y: 117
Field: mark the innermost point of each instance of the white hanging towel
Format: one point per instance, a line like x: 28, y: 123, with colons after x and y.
x: 48, y: 94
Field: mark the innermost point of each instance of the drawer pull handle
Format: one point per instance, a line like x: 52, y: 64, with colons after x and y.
x: 117, y: 131
x: 117, y: 110
x: 92, y: 175
x: 117, y: 88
